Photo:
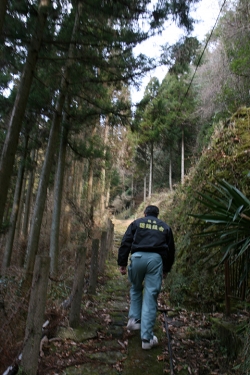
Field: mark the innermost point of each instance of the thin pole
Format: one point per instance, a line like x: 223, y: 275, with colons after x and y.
x: 169, y: 345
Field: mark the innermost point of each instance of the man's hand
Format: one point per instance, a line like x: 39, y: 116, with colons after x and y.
x: 123, y: 270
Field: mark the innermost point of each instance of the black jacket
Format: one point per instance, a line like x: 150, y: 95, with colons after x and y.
x: 148, y: 234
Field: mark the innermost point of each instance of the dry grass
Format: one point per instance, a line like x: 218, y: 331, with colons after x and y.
x: 121, y: 225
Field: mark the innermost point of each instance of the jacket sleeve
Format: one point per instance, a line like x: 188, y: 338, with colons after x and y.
x: 171, y: 252
x: 125, y: 248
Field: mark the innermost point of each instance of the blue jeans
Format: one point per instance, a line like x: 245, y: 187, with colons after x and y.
x: 145, y: 268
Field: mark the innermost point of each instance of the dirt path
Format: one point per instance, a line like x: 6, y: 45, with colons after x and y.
x: 102, y: 345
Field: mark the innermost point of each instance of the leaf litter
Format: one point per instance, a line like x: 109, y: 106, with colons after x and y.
x: 195, y: 349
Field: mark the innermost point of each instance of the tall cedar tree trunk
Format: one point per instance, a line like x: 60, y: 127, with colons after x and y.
x: 58, y: 191
x: 76, y: 295
x: 18, y: 111
x: 74, y: 180
x: 108, y: 183
x: 33, y: 241
x: 79, y: 185
x: 78, y: 168
x: 28, y: 197
x: 3, y: 7
x: 145, y: 189
x: 66, y: 226
x: 15, y: 209
x: 150, y: 184
x: 182, y: 157
x: 93, y: 273
x: 170, y: 171
x: 132, y: 188
x: 35, y: 319
x: 7, y: 211
x: 20, y: 208
x: 90, y: 197
x: 90, y: 183
x: 170, y: 175
x: 103, y: 252
x: 103, y: 170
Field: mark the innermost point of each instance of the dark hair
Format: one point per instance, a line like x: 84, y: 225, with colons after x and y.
x: 151, y: 210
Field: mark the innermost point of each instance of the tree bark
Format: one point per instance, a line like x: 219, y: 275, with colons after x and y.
x: 103, y: 251
x: 93, y: 266
x: 52, y: 146
x: 75, y: 309
x: 7, y: 212
x: 28, y: 196
x: 145, y: 189
x: 77, y: 183
x: 108, y: 192
x: 15, y: 208
x: 110, y: 238
x: 103, y: 170
x: 66, y: 225
x: 20, y: 209
x: 170, y: 175
x: 132, y: 188
x: 182, y: 157
x: 90, y: 184
x: 35, y: 319
x: 58, y: 190
x: 17, y: 115
x: 90, y: 179
x: 151, y: 171
x: 41, y: 198
x: 79, y: 186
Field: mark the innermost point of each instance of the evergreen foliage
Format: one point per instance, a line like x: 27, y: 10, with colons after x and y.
x: 165, y: 111
x: 228, y: 215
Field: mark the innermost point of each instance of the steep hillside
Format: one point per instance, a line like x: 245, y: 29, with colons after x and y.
x: 195, y: 279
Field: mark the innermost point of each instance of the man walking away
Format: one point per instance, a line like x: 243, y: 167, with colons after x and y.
x: 151, y: 244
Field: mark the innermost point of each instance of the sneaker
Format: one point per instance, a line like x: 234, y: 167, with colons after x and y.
x: 146, y: 344
x: 133, y: 324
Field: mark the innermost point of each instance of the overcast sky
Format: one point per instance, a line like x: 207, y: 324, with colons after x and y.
x: 206, y: 14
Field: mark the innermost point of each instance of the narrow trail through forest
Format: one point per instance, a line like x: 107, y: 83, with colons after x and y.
x: 102, y: 345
